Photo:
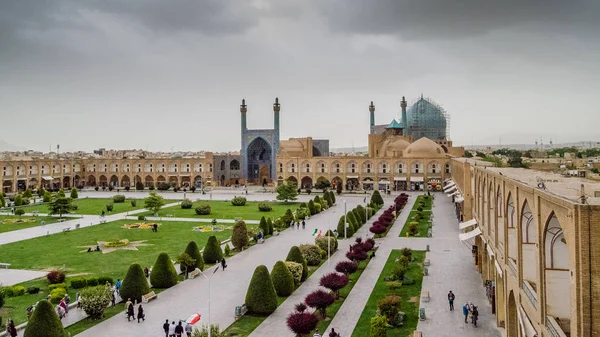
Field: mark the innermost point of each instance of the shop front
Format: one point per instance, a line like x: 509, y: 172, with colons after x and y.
x: 417, y: 184
x: 384, y: 185
x: 434, y: 184
x: 400, y: 184
x: 367, y: 184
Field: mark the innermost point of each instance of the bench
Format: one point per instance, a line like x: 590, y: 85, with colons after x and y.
x: 425, y: 296
x: 417, y: 334
x: 193, y: 273
x: 149, y: 296
x: 35, y: 213
x: 240, y: 311
x: 426, y: 263
x: 62, y: 220
x: 68, y: 229
x: 5, y: 265
x: 169, y: 215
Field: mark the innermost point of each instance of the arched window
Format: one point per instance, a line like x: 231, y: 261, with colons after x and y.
x: 448, y: 168
x: 400, y: 168
x: 234, y: 165
x: 280, y: 167
x: 222, y: 165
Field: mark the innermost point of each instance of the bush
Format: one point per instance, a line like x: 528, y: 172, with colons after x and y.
x: 19, y: 212
x: 134, y: 284
x: 312, y: 254
x: 378, y: 229
x: 302, y: 323
x: 1, y: 302
x: 394, y: 285
x: 119, y: 198
x: 95, y: 300
x: 44, y: 322
x: 334, y: 282
x: 407, y: 252
x: 270, y: 225
x: 17, y: 291
x: 320, y: 300
x: 420, y: 209
x: 31, y: 291
x: 203, y: 209
x: 403, y: 261
x: 340, y: 228
x: 186, y: 204
x: 55, y: 276
x: 57, y: 294
x: 346, y: 267
x: 163, y: 273
x: 295, y: 269
x: 194, y: 252
x: 261, y: 297
x: 283, y: 280
x: 376, y: 198
x: 264, y: 207
x: 103, y: 280
x: 47, y: 196
x: 326, y: 242
x: 295, y: 255
x: 92, y: 281
x: 389, y: 305
x: 212, y: 251
x: 78, y: 282
x: 362, y: 212
x: 311, y: 208
x: 139, y: 186
x: 141, y: 218
x: 133, y: 203
x: 109, y: 207
x: 238, y: 201
x: 57, y: 285
x: 74, y: 193
x: 413, y: 228
x: 239, y: 237
x: 398, y: 272
x: 407, y: 280
x: 163, y: 186
x: 318, y: 208
x: 264, y: 227
x: 378, y: 326
x: 227, y: 250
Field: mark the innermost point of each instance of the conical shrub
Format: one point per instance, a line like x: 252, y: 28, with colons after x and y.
x: 261, y: 297
x: 352, y: 220
x: 44, y: 322
x: 311, y: 208
x: 295, y: 255
x: 340, y: 228
x: 376, y: 198
x: 163, y: 273
x: 332, y: 195
x: 134, y: 284
x: 283, y: 280
x: 212, y: 251
x: 363, y: 214
x: 264, y: 227
x: 239, y: 237
x: 192, y: 250
x: 270, y: 225
x: 357, y: 217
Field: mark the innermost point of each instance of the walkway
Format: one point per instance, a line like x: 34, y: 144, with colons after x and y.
x: 9, y: 277
x: 228, y: 287
x: 161, y: 218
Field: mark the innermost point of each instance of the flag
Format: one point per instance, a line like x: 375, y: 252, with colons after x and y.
x: 193, y: 319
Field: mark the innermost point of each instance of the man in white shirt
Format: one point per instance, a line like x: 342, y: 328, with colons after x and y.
x: 172, y: 329
x: 317, y: 333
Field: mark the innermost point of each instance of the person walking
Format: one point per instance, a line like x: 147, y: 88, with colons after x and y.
x: 303, y: 224
x: 223, y: 263
x: 466, y: 311
x: 129, y: 309
x: 172, y: 329
x: 297, y: 224
x: 11, y: 330
x: 474, y: 315
x: 146, y: 271
x: 451, y: 298
x: 188, y: 330
x: 166, y: 328
x: 155, y: 228
x: 179, y: 330
x: 118, y: 287
x: 140, y: 314
x: 332, y: 333
x: 113, y: 298
x: 102, y: 215
x: 64, y: 306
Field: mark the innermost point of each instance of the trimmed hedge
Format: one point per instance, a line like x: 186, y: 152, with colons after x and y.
x: 295, y: 255
x: 212, y: 251
x: 57, y: 294
x: 324, y: 244
x: 238, y: 201
x: 340, y: 228
x: 119, y: 198
x: 312, y: 254
x: 92, y: 281
x: 296, y: 269
x: 311, y: 208
x: 194, y: 252
x: 186, y: 204
x: 44, y: 322
x: 134, y: 284
x: 163, y: 273
x: 261, y: 297
x: 283, y: 280
x: 78, y: 283
x: 264, y: 227
x: 239, y: 237
x: 55, y: 276
x: 264, y: 207
x: 203, y: 209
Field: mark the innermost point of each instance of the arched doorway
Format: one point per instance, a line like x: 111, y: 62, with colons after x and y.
x: 91, y: 181
x: 512, y: 324
x: 125, y: 181
x: 148, y: 181
x: 198, y: 181
x: 307, y: 182
x: 114, y: 181
x: 528, y: 245
x: 103, y: 181
x: 259, y: 161
x: 557, y: 280
x: 7, y: 186
x: 293, y: 180
x: 222, y: 180
x: 511, y: 218
x: 336, y: 181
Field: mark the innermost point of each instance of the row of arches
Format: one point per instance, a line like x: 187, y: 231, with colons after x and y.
x: 416, y: 167
x: 234, y: 165
x: 24, y: 169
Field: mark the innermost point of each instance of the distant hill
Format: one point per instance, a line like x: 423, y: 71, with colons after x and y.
x: 583, y: 144
x: 350, y: 150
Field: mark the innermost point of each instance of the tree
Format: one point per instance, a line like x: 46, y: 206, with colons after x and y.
x: 362, y: 213
x: 327, y: 198
x: 287, y: 191
x: 357, y: 217
x: 322, y: 183
x: 261, y: 297
x: 352, y: 220
x: 94, y: 300
x: 186, y: 262
x: 2, y: 201
x: 378, y: 326
x: 239, y: 237
x: 295, y: 255
x: 60, y: 205
x: 61, y: 193
x: 264, y: 227
x: 311, y: 208
x: 194, y: 252
x: 346, y: 267
x: 74, y: 194
x: 302, y: 323
x: 468, y: 154
x: 270, y: 225
x: 340, y: 228
x: 47, y: 196
x: 163, y: 273
x: 332, y: 195
x: 288, y: 216
x: 376, y: 198
x: 27, y: 194
x: 516, y: 162
x: 154, y: 203
x: 334, y: 282
x: 212, y: 251
x: 283, y: 280
x: 19, y: 212
x: 44, y: 322
x: 320, y: 300
x: 134, y: 284
x: 139, y: 186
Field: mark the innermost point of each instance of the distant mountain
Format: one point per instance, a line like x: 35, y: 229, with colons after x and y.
x: 582, y: 144
x: 4, y: 146
x: 350, y: 150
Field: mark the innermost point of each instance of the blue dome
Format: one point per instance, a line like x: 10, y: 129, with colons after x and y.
x: 426, y: 119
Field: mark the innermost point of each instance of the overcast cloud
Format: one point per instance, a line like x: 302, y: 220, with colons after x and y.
x: 171, y: 74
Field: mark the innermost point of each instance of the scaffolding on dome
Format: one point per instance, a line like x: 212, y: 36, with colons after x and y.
x: 427, y: 119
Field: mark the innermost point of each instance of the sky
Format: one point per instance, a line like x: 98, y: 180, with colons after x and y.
x: 170, y: 75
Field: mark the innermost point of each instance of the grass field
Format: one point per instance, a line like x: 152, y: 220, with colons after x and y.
x: 94, y: 206
x: 8, y: 227
x: 410, y: 295
x: 423, y: 223
x: 222, y: 209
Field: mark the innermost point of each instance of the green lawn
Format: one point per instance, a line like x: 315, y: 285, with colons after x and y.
x: 246, y: 324
x: 8, y: 227
x: 94, y: 206
x: 423, y: 223
x: 221, y: 209
x: 410, y: 294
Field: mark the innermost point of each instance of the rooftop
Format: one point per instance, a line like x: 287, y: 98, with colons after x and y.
x: 564, y: 187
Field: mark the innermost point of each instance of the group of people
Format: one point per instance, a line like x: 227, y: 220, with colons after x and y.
x: 297, y: 223
x: 131, y: 311
x: 11, y: 330
x: 332, y: 333
x: 177, y: 330
x: 469, y: 309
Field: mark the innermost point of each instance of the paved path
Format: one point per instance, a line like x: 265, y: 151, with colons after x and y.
x: 231, y: 221
x: 9, y: 277
x: 227, y: 288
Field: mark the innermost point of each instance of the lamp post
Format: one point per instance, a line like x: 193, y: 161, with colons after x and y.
x: 345, y: 222
x: 329, y: 239
x: 208, y: 278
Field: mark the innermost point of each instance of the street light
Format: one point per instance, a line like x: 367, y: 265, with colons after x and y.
x: 208, y: 278
x: 345, y: 223
x: 329, y: 239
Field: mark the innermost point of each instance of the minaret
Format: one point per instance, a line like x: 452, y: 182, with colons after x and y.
x: 372, y: 113
x: 404, y: 119
x: 276, y: 108
x: 243, y: 111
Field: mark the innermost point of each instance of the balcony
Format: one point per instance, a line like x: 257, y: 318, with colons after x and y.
x: 554, y: 328
x: 530, y: 292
